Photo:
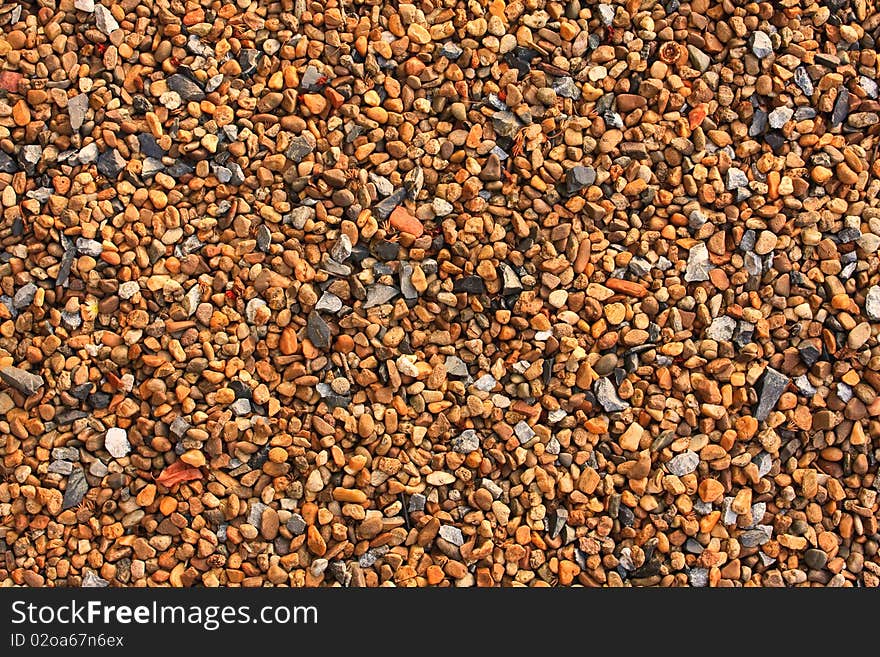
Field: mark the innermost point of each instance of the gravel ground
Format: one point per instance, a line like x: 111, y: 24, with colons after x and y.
x: 496, y: 293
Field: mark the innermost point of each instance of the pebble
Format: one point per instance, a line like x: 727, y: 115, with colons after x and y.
x: 116, y: 442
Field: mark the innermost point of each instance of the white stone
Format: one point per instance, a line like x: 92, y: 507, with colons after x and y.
x: 116, y: 442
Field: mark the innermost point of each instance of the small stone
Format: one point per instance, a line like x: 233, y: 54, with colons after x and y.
x: 523, y: 432
x: 721, y: 328
x: 317, y: 330
x: 841, y: 107
x: 607, y: 396
x: 762, y: 46
x: 76, y: 109
x: 379, y: 294
x: 23, y: 381
x: 698, y: 265
x: 773, y: 385
x: 579, y: 177
x: 858, y: 336
x: 815, y: 559
x: 452, y: 535
x: 116, y: 442
x: 779, y: 117
x: 329, y: 302
x: 110, y: 164
x: 92, y: 581
x: 699, y: 59
x: 75, y: 490
x: 104, y: 20
x: 187, y: 88
x: 84, y: 5
x: 872, y: 304
x: 486, y: 383
x: 683, y: 464
x: 24, y: 296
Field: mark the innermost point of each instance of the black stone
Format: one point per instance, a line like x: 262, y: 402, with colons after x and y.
x: 470, y: 285
x: 318, y: 331
x: 841, y: 107
x: 186, y: 87
x: 77, y: 486
x: 99, y: 400
x: 110, y: 163
x: 149, y: 146
x: 386, y: 206
x: 773, y: 385
x: 809, y: 354
x: 386, y: 250
x: 7, y: 164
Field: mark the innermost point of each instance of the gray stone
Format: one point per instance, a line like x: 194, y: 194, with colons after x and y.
x: 683, y: 463
x: 116, y: 442
x: 104, y: 20
x: 87, y: 6
x: 872, y: 304
x: 77, y: 486
x: 341, y: 249
x: 264, y: 238
x: 379, y: 294
x: 98, y: 469
x: 92, y: 581
x: 566, y: 87
x: 485, y: 383
x: 240, y: 407
x: 736, y: 178
x: 699, y: 59
x: 317, y: 330
x: 24, y: 296
x: 762, y: 46
x: 386, y: 206
x: 721, y: 328
x: 779, y: 117
x: 841, y: 107
x: 869, y: 86
x: 456, y: 367
x: 417, y: 502
x: 510, y: 282
x: 815, y: 559
x: 61, y: 467
x: 698, y: 577
x: 300, y: 146
x: 773, y: 385
x: 110, y: 163
x: 406, y: 287
x: 803, y: 81
x: 523, y: 432
x: 76, y: 109
x: 466, y: 442
x: 506, y: 124
x: 698, y: 265
x: 764, y: 462
x: 441, y: 207
x: 89, y: 247
x: 255, y: 513
x: 382, y: 184
x: 606, y: 14
x: 65, y: 453
x: 607, y: 396
x: 23, y: 381
x: 179, y: 427
x: 755, y: 537
x: 451, y: 51
x: 579, y: 177
x: 185, y: 87
x: 451, y: 534
x: 298, y: 216
x: 296, y: 525
x: 329, y: 302
x: 310, y: 79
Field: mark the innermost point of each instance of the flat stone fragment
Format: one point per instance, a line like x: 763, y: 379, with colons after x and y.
x: 683, y: 463
x: 104, y: 20
x: 698, y: 264
x: 379, y: 294
x: 772, y: 386
x: 23, y: 381
x: 523, y: 432
x: 75, y: 490
x: 92, y: 581
x: 452, y: 535
x: 761, y: 44
x: 607, y: 396
x: 76, y: 109
x: 721, y: 328
x: 318, y: 331
x: 187, y: 88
